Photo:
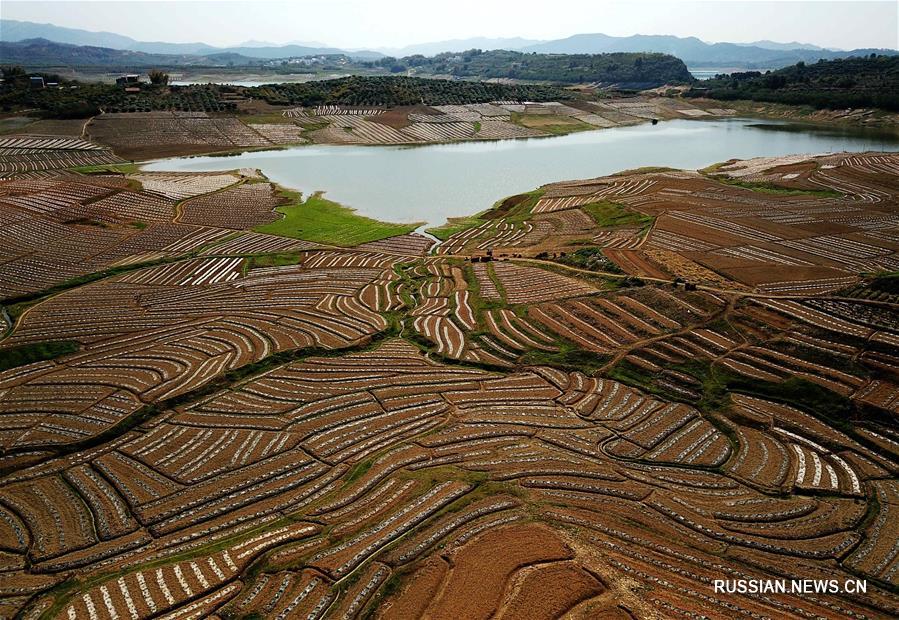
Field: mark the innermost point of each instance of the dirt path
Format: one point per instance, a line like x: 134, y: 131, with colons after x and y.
x: 7, y: 322
x: 84, y: 128
x: 648, y: 233
x: 739, y: 293
x: 638, y: 344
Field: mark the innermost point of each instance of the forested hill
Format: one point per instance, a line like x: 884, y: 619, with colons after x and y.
x: 401, y: 90
x: 864, y: 82
x: 633, y: 70
x: 80, y: 100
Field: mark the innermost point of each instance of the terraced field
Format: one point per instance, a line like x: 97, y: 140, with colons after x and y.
x: 24, y: 154
x: 591, y: 402
x: 499, y: 120
x: 114, y: 137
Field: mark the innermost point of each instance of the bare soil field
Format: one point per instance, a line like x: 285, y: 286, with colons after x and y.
x: 591, y: 403
x: 773, y: 225
x: 21, y: 154
x: 146, y: 135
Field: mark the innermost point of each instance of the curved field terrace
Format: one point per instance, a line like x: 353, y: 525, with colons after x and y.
x: 593, y: 400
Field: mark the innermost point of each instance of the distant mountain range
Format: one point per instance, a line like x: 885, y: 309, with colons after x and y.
x: 794, y: 45
x: 582, y: 44
x: 514, y: 44
x: 693, y: 51
x: 44, y: 53
x: 697, y: 53
x: 12, y: 30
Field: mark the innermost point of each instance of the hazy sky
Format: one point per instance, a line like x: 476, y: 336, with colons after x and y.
x: 394, y: 23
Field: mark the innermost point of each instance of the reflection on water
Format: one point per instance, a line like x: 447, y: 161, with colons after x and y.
x: 874, y: 135
x: 431, y: 183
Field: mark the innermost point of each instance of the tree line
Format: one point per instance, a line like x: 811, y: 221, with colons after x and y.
x: 644, y: 69
x: 856, y: 82
x: 71, y: 99
x: 400, y: 91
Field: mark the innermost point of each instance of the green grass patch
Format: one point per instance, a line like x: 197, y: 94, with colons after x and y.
x: 568, y: 357
x: 886, y: 282
x: 479, y: 305
x: 108, y: 169
x: 612, y: 214
x: 833, y: 408
x: 454, y: 225
x: 554, y: 124
x: 497, y: 283
x: 309, y: 128
x: 274, y: 260
x: 357, y: 472
x: 635, y: 376
x: 646, y: 170
x: 321, y: 220
x: 589, y: 258
x: 718, y: 384
x: 516, y: 209
x: 713, y: 169
x: 233, y: 152
x: 35, y: 352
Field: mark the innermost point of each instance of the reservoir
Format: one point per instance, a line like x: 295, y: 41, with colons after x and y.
x: 431, y: 183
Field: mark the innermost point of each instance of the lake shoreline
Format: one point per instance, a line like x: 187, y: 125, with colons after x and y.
x: 433, y: 182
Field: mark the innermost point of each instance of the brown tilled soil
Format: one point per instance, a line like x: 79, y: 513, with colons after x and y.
x: 257, y: 106
x: 51, y: 127
x: 399, y: 117
x: 482, y: 568
x: 415, y: 598
x: 546, y: 593
x: 635, y: 263
x: 156, y: 151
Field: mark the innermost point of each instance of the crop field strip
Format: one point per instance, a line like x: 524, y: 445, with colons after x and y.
x: 711, y: 230
x: 571, y: 442
x: 23, y: 153
x: 365, y: 427
x: 134, y: 134
x: 279, y: 133
x: 241, y: 207
x: 60, y: 228
x: 449, y: 123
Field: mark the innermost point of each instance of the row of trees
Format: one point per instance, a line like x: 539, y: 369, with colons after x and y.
x: 399, y: 90
x: 858, y: 82
x: 618, y: 68
x: 80, y: 100
x: 72, y: 99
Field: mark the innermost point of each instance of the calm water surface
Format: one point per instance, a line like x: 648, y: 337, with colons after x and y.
x: 431, y: 183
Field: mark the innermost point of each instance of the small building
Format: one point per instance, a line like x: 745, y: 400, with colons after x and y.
x: 36, y: 81
x: 129, y: 80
